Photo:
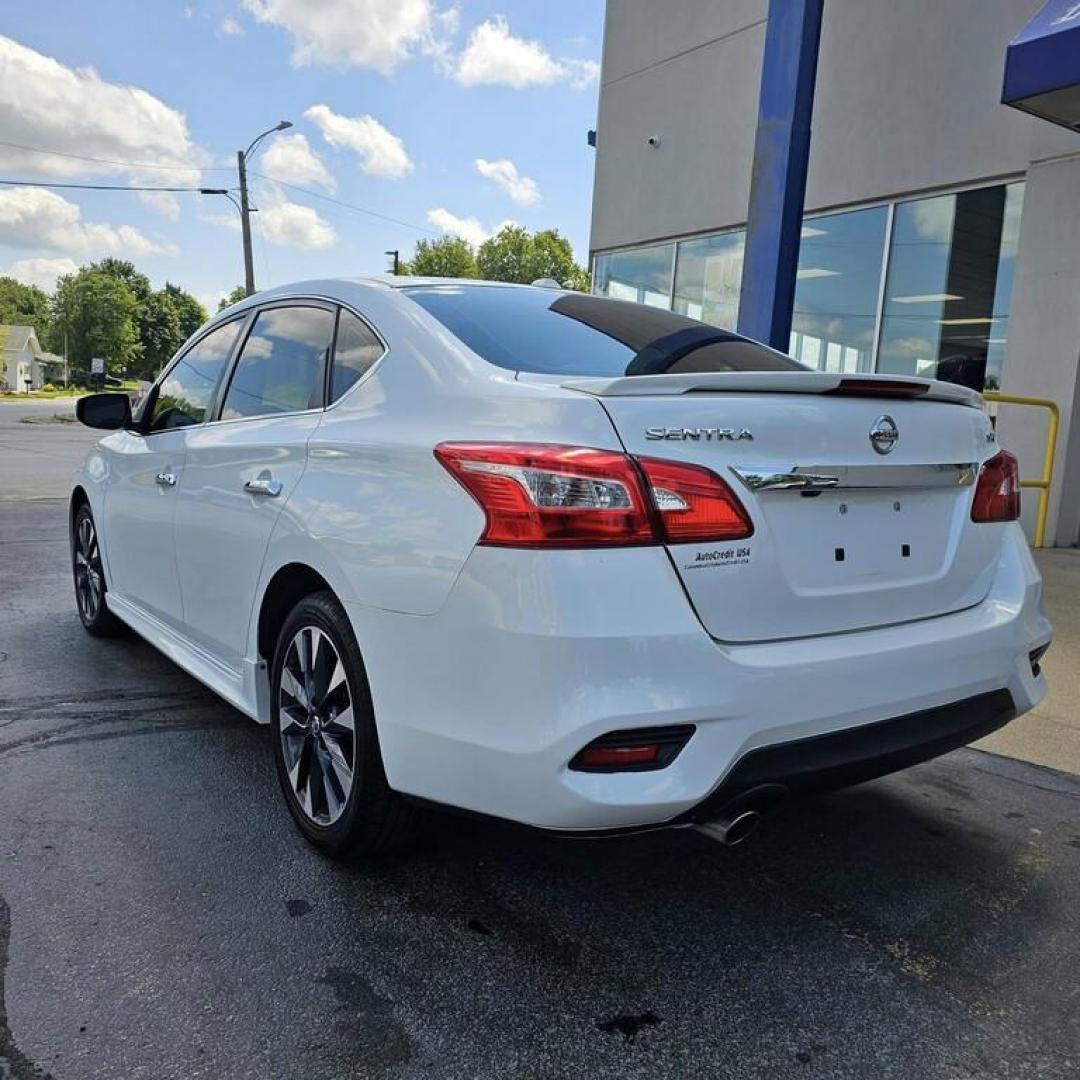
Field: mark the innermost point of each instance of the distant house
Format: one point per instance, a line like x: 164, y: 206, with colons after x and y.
x: 21, y: 358
x: 52, y: 368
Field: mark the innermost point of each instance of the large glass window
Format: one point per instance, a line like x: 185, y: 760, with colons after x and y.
x: 188, y: 388
x: 642, y: 275
x: 281, y: 365
x: 943, y: 310
x: 708, y: 277
x: 948, y: 285
x: 836, y: 290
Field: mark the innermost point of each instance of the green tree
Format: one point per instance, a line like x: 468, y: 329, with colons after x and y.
x: 99, y: 314
x: 513, y: 254
x: 189, y: 311
x: 448, y: 256
x: 553, y: 257
x: 238, y: 294
x: 124, y: 271
x: 506, y: 256
x: 167, y: 318
x: 24, y: 305
x: 160, y: 334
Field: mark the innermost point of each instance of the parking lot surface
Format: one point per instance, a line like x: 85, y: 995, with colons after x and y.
x: 160, y: 917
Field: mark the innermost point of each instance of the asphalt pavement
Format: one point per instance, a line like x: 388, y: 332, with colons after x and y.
x: 160, y: 917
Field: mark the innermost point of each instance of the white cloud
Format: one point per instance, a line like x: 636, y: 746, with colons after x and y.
x: 522, y: 189
x: 230, y: 221
x: 381, y: 152
x: 164, y: 202
x: 291, y: 159
x: 33, y: 218
x: 47, y: 105
x: 229, y: 27
x: 40, y: 271
x: 289, y: 224
x: 375, y: 34
x: 468, y: 228
x: 493, y: 56
x: 933, y: 218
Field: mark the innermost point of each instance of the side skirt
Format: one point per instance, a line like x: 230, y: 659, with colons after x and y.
x: 239, y: 689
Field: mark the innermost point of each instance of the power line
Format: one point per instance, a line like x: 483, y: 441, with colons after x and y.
x: 95, y: 187
x: 347, y: 206
x: 110, y: 161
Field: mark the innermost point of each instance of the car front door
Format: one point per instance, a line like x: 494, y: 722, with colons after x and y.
x: 144, y: 474
x: 241, y: 467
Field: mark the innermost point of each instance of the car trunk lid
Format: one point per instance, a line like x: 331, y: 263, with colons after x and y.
x: 853, y: 528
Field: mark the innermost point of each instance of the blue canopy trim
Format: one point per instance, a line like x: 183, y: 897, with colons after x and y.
x: 1042, y: 65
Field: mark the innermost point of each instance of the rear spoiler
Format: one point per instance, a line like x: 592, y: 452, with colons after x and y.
x: 779, y: 382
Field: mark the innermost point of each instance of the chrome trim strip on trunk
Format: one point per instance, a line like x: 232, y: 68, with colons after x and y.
x: 831, y: 477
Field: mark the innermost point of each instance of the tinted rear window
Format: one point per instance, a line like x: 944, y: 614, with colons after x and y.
x: 549, y: 332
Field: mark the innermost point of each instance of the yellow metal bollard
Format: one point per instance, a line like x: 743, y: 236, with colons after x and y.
x: 1043, y: 484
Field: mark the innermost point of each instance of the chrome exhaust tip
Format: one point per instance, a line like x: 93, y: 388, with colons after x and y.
x: 732, y: 829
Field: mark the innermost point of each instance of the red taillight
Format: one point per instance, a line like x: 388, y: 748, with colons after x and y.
x: 997, y: 491
x: 546, y: 495
x: 694, y: 504
x: 543, y: 495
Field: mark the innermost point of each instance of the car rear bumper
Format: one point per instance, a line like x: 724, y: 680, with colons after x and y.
x: 535, y: 654
x: 837, y: 759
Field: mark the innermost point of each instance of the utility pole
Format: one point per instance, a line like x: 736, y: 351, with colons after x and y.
x: 397, y: 261
x: 245, y: 223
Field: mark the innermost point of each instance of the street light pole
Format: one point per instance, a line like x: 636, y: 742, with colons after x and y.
x: 245, y: 205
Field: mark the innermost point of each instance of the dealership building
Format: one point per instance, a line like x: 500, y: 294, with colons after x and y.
x: 941, y: 234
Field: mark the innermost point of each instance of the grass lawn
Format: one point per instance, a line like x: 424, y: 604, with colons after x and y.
x: 39, y: 394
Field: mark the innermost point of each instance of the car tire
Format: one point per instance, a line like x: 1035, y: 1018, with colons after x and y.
x: 89, y: 577
x: 326, y: 747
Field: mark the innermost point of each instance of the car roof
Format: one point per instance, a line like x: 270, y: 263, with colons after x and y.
x: 336, y: 286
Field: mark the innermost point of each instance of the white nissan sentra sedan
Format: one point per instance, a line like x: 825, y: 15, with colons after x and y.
x: 583, y: 564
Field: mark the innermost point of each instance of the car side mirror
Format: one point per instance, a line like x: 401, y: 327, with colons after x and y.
x: 110, y: 411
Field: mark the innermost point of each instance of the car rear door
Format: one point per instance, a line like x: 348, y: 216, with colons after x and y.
x: 241, y: 468
x: 145, y: 469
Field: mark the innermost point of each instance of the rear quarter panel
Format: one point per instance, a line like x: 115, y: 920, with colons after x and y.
x: 375, y: 512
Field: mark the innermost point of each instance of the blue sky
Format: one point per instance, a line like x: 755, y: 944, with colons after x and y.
x: 452, y: 117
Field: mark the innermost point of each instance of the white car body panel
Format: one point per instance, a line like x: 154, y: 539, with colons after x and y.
x: 222, y: 530
x: 137, y: 514
x: 563, y: 671
x: 491, y: 667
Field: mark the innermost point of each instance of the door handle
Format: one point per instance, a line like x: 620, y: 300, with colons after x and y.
x: 166, y: 479
x: 263, y: 486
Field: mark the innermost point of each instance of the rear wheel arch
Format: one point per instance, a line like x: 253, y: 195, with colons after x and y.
x: 288, y: 586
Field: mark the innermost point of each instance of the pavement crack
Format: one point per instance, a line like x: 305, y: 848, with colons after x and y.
x: 14, y: 1064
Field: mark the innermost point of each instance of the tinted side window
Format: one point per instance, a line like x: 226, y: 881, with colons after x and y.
x: 281, y: 365
x: 188, y: 389
x: 356, y: 350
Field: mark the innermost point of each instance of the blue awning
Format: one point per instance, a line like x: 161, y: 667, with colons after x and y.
x: 1042, y: 65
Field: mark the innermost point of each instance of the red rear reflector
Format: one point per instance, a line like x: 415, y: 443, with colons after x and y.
x: 693, y: 503
x: 545, y: 495
x: 614, y: 756
x: 997, y: 491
